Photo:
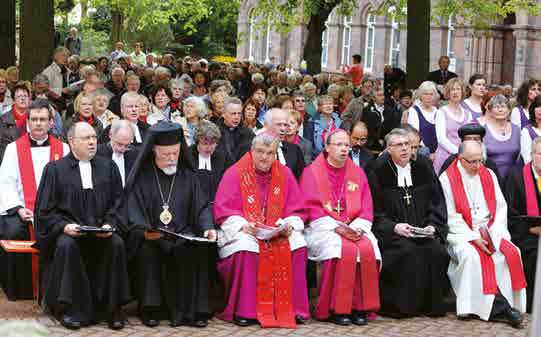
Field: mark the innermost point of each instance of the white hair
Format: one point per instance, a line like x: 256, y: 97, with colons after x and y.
x: 426, y: 86
x: 270, y: 113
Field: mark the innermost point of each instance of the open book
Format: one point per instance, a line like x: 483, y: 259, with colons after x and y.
x: 188, y: 237
x: 264, y: 232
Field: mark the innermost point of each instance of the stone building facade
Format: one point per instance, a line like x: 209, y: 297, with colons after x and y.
x: 509, y: 52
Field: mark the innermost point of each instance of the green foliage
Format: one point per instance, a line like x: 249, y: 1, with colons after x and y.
x: 215, y: 35
x: 477, y: 13
x: 95, y: 42
x: 143, y: 13
x: 156, y: 37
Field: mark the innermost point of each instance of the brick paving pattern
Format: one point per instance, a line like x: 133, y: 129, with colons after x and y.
x: 447, y: 326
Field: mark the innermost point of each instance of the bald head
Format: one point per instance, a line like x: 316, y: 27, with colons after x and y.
x: 470, y: 147
x: 83, y: 141
x: 470, y: 154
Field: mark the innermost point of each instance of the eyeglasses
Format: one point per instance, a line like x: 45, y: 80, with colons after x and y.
x: 403, y: 144
x: 473, y: 162
x: 21, y: 97
x: 87, y: 138
x: 341, y: 145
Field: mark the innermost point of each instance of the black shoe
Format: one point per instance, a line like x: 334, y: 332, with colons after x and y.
x: 174, y: 323
x: 511, y: 316
x: 300, y: 320
x: 359, y: 318
x: 340, y: 320
x: 200, y: 323
x: 515, y: 318
x: 116, y: 320
x: 148, y: 319
x: 69, y: 322
x: 241, y: 321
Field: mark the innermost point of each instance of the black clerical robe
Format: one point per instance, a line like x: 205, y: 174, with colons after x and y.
x: 294, y: 158
x: 519, y: 229
x: 235, y: 142
x: 170, y: 276
x: 87, y: 275
x: 209, y: 179
x: 413, y: 280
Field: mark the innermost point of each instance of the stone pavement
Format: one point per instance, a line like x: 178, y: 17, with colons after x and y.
x: 447, y: 326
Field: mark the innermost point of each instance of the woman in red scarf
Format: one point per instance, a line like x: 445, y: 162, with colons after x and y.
x: 84, y: 112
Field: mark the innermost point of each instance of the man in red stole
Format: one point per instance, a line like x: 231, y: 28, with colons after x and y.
x: 340, y: 211
x: 523, y: 187
x: 20, y: 174
x: 486, y: 268
x: 265, y: 280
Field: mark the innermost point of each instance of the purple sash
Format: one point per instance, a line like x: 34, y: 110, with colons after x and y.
x: 523, y: 120
x: 427, y: 131
x: 474, y: 114
x: 531, y: 131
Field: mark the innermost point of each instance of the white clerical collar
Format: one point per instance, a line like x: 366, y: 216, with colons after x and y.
x: 39, y: 142
x: 403, y: 175
x: 204, y: 163
x: 280, y: 153
x: 85, y: 169
x: 118, y: 158
x: 136, y: 133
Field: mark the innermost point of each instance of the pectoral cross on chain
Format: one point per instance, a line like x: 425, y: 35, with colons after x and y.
x: 338, y: 208
x: 408, y: 197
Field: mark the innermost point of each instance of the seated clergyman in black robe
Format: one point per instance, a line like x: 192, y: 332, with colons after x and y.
x: 170, y: 274
x: 83, y: 275
x: 523, y: 188
x: 408, y: 204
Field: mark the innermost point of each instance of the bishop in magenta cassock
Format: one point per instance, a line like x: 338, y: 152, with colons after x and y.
x: 20, y: 174
x: 264, y: 280
x: 486, y: 268
x: 340, y: 211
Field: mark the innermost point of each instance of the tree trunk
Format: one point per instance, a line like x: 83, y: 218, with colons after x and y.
x: 116, y: 30
x: 7, y: 34
x: 418, y: 53
x: 312, y: 48
x: 84, y: 9
x: 37, y: 36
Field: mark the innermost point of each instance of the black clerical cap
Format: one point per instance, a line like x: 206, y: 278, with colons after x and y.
x: 166, y: 133
x: 471, y: 129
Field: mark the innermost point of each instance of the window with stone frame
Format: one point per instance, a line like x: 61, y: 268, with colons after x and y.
x: 370, y: 42
x: 268, y: 44
x: 252, y: 36
x: 394, y: 47
x: 451, y: 37
x: 325, y: 45
x: 346, y: 40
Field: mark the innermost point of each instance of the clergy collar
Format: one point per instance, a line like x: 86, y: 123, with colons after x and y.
x: 75, y: 162
x: 38, y: 143
x: 398, y: 167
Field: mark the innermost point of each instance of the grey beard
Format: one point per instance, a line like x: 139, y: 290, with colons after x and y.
x: 169, y: 170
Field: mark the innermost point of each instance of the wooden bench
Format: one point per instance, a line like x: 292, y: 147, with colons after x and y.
x: 24, y: 247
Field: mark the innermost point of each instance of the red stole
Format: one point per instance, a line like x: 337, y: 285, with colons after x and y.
x: 274, y: 277
x: 28, y: 180
x: 532, y: 208
x: 347, y: 265
x: 462, y: 206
